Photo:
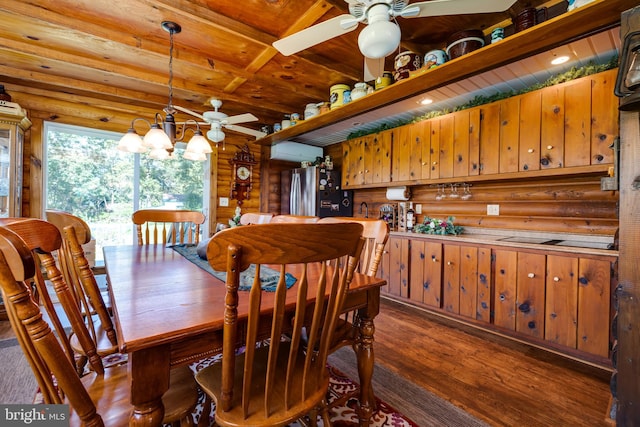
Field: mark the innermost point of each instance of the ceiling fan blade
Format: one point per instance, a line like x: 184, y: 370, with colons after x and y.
x: 314, y: 35
x: 241, y: 118
x: 186, y: 110
x: 373, y: 67
x: 456, y: 7
x: 248, y: 131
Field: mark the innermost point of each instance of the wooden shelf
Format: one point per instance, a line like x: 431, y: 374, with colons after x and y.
x: 595, y: 17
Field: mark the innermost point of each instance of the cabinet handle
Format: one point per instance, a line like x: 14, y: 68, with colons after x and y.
x: 531, y: 275
x: 434, y: 259
x: 435, y: 163
x: 366, y: 171
x: 531, y: 150
x: 549, y: 147
x: 424, y: 163
x: 449, y: 263
x: 556, y: 279
x: 360, y: 172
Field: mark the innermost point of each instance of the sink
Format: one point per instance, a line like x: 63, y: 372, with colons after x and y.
x: 536, y: 240
x: 583, y: 244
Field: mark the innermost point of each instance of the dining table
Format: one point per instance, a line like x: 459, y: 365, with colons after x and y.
x: 168, y: 311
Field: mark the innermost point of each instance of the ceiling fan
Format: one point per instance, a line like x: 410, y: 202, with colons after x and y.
x: 381, y: 36
x: 219, y: 120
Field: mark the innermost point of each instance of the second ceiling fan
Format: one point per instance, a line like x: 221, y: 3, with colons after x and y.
x: 381, y: 36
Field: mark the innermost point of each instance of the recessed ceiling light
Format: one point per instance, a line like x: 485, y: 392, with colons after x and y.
x: 425, y: 101
x: 560, y: 60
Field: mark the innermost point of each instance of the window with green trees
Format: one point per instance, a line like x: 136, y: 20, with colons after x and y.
x: 86, y: 175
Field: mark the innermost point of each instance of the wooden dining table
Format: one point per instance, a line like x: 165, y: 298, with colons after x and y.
x: 169, y: 311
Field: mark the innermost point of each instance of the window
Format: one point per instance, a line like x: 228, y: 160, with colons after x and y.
x: 87, y: 176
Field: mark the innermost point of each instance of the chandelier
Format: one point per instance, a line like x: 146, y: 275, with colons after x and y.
x: 161, y: 138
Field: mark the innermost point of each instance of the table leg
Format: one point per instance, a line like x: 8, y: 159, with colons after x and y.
x: 149, y: 376
x: 364, y: 353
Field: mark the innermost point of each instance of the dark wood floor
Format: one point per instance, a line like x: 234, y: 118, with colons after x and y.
x: 501, y: 382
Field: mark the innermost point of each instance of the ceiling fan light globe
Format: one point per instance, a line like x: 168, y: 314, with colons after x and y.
x: 379, y: 39
x: 215, y: 135
x: 198, y: 145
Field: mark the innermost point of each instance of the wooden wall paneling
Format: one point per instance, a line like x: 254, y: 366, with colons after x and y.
x: 33, y: 158
x: 604, y: 117
x: 446, y: 145
x: 451, y: 279
x: 368, y: 159
x: 509, y: 134
x: 552, y: 127
x: 435, y: 148
x: 577, y: 119
x: 506, y: 264
x: 418, y: 136
x: 425, y: 152
x: 474, y: 141
x: 417, y: 278
x: 402, y: 153
x: 530, y: 300
x: 468, y: 281
x: 385, y: 139
x: 489, y: 139
x: 594, y: 296
x: 461, y: 136
x: 561, y: 311
x: 530, y: 117
x: 484, y: 300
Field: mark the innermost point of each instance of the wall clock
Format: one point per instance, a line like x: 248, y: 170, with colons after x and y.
x: 242, y: 173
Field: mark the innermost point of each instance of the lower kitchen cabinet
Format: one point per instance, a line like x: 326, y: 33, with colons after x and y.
x: 550, y: 298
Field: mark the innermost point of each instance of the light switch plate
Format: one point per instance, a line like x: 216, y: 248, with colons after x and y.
x: 493, y: 209
x: 418, y: 208
x: 224, y: 201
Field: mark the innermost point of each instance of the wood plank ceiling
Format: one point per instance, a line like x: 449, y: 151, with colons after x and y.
x: 114, y: 56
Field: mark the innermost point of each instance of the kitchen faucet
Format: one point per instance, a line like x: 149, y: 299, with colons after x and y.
x: 366, y: 209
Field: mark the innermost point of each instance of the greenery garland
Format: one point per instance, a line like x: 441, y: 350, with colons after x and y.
x: 571, y: 74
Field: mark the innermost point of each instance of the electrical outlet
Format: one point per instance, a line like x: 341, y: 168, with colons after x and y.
x: 418, y: 208
x: 493, y: 209
x: 224, y: 201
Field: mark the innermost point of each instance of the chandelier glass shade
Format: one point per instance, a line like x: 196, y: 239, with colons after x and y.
x: 162, y: 136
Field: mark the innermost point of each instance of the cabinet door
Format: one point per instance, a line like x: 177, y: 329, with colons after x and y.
x: 418, y: 135
x: 474, y: 141
x: 461, y: 135
x: 425, y: 152
x: 445, y: 160
x: 402, y: 153
x: 577, y: 119
x: 346, y: 164
x: 368, y: 159
x: 483, y: 311
x: 489, y: 139
x: 509, y: 134
x: 434, y: 159
x: 505, y: 288
x: 383, y: 156
x: 529, y: 137
x: 451, y: 279
x: 468, y: 281
x: 398, y: 283
x: 552, y: 127
x: 561, y: 311
x: 594, y: 301
x: 426, y: 273
x: 604, y: 117
x: 530, y: 294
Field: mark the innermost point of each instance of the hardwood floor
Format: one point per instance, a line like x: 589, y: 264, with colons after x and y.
x: 502, y: 382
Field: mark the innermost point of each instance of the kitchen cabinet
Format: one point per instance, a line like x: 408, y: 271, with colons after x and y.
x: 551, y: 298
x: 366, y: 160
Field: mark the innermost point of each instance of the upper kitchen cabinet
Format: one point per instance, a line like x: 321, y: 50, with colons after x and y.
x: 13, y: 124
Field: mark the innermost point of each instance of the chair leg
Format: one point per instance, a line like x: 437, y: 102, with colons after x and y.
x: 206, y: 412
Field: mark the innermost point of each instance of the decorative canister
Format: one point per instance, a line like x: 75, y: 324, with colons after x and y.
x: 277, y: 127
x: 359, y: 90
x: 464, y: 42
x: 434, y: 58
x: 295, y: 118
x: 311, y: 110
x: 337, y: 95
x: 384, y: 80
x: 497, y: 34
x: 323, y: 107
x: 405, y: 63
x: 525, y: 19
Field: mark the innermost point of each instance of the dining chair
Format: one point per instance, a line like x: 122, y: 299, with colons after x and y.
x: 376, y: 233
x: 299, y: 219
x: 275, y: 384
x: 164, y: 226
x: 255, y: 218
x: 81, y: 280
x: 97, y: 399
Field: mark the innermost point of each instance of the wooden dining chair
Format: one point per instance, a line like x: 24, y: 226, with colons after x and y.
x: 154, y: 226
x: 97, y: 399
x: 255, y: 218
x: 297, y: 219
x: 274, y: 384
x: 376, y: 233
x: 81, y: 280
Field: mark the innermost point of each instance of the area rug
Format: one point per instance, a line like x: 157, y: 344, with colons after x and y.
x: 342, y: 398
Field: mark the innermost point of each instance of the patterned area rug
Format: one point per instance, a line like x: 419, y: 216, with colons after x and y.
x: 343, y: 399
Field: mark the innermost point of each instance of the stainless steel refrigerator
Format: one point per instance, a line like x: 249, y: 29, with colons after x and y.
x: 316, y: 191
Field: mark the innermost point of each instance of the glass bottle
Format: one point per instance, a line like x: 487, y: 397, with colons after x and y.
x: 411, y: 217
